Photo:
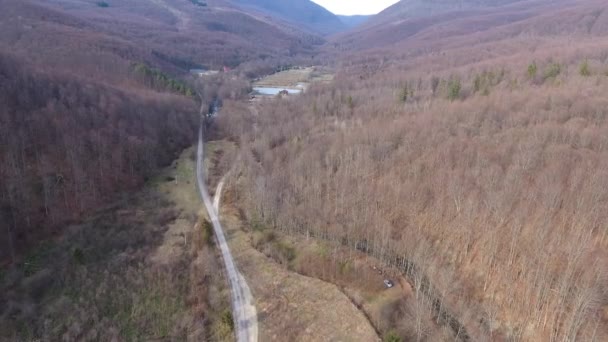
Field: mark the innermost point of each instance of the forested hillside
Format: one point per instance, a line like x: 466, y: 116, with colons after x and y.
x: 102, y: 237
x: 173, y: 35
x: 479, y: 161
x: 426, y: 8
x: 395, y: 35
x: 70, y: 144
x: 94, y: 97
x: 463, y: 144
x: 500, y: 197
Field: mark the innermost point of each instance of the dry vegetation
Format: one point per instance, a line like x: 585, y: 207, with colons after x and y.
x: 290, y: 307
x: 488, y: 173
x: 93, y: 102
x: 398, y: 312
x: 90, y: 98
x: 468, y: 151
x: 77, y: 145
x: 174, y: 35
x: 142, y: 269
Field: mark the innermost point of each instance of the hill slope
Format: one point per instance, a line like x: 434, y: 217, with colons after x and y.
x: 424, y: 8
x: 303, y: 13
x: 179, y: 33
x: 408, y: 36
x: 470, y: 146
x: 84, y: 73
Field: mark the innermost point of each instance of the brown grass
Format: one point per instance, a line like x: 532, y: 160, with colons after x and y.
x: 398, y: 311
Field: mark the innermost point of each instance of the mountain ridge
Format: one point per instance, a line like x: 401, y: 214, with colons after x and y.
x: 303, y: 12
x: 503, y: 19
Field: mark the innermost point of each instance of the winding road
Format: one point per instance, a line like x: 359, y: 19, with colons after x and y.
x: 243, y: 310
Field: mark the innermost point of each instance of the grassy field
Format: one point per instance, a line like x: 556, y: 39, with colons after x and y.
x: 141, y: 269
x: 394, y: 312
x: 293, y: 77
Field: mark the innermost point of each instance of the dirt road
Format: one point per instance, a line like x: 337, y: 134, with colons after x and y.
x: 290, y: 306
x: 243, y: 310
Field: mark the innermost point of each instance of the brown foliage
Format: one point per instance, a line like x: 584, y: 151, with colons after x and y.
x: 69, y: 145
x: 499, y: 198
x: 172, y: 35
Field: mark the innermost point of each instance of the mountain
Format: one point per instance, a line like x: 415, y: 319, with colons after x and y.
x: 304, y: 13
x: 180, y: 34
x: 354, y: 20
x: 436, y: 28
x: 77, y: 79
x: 424, y: 8
x: 478, y: 134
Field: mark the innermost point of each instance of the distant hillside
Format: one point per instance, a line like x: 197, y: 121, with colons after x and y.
x: 179, y: 34
x: 354, y: 20
x: 301, y: 12
x: 424, y: 8
x: 488, y: 21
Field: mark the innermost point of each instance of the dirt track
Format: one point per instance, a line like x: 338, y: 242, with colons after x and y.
x: 292, y: 307
x: 243, y: 310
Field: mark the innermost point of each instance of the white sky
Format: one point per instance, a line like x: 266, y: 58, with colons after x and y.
x: 351, y: 7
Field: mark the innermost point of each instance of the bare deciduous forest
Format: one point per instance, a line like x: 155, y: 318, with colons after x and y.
x: 91, y: 141
x: 91, y: 105
x: 95, y: 101
x: 489, y: 174
x: 465, y: 146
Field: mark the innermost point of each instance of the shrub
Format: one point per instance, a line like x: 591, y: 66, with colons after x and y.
x: 36, y: 259
x: 223, y: 327
x: 485, y: 80
x: 584, y: 69
x: 286, y: 251
x: 262, y: 237
x: 102, y: 4
x: 78, y: 256
x: 207, y: 231
x: 349, y: 102
x: 477, y: 83
x: 552, y: 71
x: 532, y: 70
x: 345, y: 266
x: 227, y: 319
x: 405, y: 93
x: 391, y: 336
x: 402, y: 97
x: 258, y: 225
x: 434, y: 84
x: 454, y: 87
